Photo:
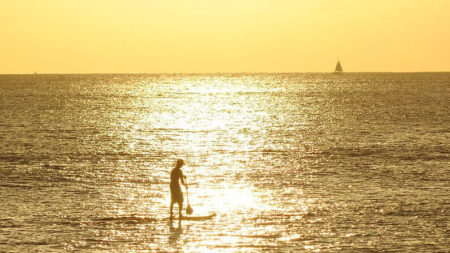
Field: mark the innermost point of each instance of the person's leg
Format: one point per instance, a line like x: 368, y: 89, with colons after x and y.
x: 180, y: 208
x: 171, y: 209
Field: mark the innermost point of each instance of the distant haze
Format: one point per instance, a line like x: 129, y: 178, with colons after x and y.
x: 154, y: 36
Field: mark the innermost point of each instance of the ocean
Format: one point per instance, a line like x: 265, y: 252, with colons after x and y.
x: 310, y: 162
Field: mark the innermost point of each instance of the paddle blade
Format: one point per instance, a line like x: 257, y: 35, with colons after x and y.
x: 189, y: 210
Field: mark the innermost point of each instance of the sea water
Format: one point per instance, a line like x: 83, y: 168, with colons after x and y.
x: 288, y: 162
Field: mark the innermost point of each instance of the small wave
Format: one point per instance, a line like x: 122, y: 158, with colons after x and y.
x: 38, y: 243
x: 15, y: 159
x: 270, y: 236
x: 54, y: 167
x: 10, y: 224
x: 107, y: 241
x: 246, y: 247
x: 16, y: 186
x: 126, y: 219
x: 299, y: 238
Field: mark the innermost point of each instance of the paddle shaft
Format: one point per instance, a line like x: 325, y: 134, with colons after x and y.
x: 187, y: 192
x: 189, y: 209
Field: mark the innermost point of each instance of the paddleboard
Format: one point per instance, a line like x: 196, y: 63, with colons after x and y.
x: 205, y: 217
x: 199, y: 217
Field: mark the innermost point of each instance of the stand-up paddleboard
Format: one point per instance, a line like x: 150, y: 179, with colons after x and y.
x: 196, y: 217
x: 200, y: 217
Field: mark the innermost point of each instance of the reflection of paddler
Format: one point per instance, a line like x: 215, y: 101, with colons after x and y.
x: 175, y: 189
x: 174, y: 234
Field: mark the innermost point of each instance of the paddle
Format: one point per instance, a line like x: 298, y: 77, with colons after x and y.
x: 189, y: 209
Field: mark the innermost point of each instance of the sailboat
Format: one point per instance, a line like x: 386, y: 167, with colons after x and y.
x: 338, y: 68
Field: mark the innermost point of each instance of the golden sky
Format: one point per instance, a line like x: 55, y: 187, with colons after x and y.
x: 161, y: 36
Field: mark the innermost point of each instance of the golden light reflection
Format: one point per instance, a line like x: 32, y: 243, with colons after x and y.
x: 209, y: 132
x: 232, y: 198
x: 228, y: 199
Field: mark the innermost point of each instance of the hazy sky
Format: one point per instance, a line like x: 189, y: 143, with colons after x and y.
x: 149, y: 36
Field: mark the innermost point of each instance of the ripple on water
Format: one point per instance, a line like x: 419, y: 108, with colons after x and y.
x: 288, y: 162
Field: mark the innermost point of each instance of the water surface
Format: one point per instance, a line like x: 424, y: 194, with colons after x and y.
x: 311, y: 162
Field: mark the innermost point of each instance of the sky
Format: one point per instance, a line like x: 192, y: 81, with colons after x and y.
x: 201, y: 36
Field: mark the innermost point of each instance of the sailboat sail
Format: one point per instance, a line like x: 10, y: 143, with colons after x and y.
x: 338, y: 67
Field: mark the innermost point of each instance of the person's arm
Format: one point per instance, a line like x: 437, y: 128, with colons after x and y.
x: 183, y: 179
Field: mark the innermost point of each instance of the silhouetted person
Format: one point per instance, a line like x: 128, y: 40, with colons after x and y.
x: 175, y: 189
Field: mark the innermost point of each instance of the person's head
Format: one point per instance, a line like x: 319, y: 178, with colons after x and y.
x: 180, y: 163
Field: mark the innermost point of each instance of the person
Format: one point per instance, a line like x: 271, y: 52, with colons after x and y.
x: 176, y: 195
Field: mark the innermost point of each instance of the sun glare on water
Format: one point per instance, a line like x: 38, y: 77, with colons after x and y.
x: 232, y: 198
x: 223, y: 201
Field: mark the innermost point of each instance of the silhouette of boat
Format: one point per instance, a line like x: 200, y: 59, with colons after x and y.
x: 338, y: 68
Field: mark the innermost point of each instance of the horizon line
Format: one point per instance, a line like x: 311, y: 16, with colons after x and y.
x: 218, y: 72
